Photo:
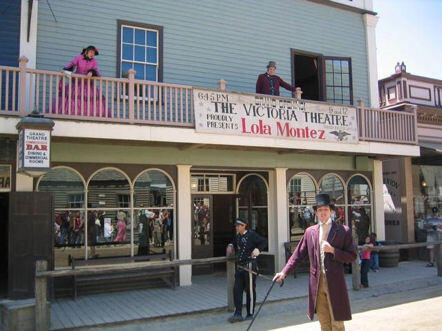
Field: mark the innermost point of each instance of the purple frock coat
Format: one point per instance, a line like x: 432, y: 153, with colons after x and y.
x: 345, y: 252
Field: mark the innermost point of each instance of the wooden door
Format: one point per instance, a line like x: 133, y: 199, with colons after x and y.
x: 30, y: 239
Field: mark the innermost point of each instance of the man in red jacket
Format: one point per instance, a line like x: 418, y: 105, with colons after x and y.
x: 269, y: 83
x: 328, y: 245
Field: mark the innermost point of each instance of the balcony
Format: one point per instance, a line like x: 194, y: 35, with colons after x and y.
x: 58, y: 95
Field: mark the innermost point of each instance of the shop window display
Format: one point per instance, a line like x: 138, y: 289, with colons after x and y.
x: 301, y: 191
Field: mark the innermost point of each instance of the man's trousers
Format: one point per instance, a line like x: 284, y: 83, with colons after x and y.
x: 244, y: 281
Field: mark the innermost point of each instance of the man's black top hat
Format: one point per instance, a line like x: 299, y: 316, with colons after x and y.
x: 322, y: 199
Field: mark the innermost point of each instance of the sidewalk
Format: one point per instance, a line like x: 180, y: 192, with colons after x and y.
x: 209, y: 293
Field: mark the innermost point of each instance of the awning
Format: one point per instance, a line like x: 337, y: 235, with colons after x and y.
x: 433, y: 146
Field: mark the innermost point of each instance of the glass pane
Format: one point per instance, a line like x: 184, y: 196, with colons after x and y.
x: 253, y: 192
x: 358, y: 191
x: 338, y: 215
x: 346, y: 102
x: 330, y: 93
x: 153, y: 189
x: 153, y: 231
x: 69, y: 236
x: 338, y: 92
x: 125, y: 66
x: 332, y: 185
x: 346, y: 93
x: 140, y: 37
x: 345, y: 80
x: 300, y: 217
x: 151, y: 73
x: 151, y: 55
x: 201, y: 221
x: 66, y: 185
x: 139, y: 71
x: 128, y: 52
x: 303, y: 193
x: 140, y: 53
x: 337, y: 80
x: 337, y: 66
x: 329, y: 79
x: 152, y: 38
x: 128, y: 35
x: 345, y: 66
x: 109, y: 233
x: 105, y: 188
x: 258, y: 221
x: 360, y: 217
x: 328, y: 65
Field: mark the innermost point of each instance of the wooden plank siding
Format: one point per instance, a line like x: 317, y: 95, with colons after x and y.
x: 208, y: 40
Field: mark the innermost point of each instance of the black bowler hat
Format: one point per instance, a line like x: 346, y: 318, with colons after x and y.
x: 240, y: 221
x: 322, y: 199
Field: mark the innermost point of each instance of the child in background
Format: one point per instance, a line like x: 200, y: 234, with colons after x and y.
x: 365, y: 261
x: 374, y: 256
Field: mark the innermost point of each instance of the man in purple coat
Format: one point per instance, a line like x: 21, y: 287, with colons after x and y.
x: 269, y: 83
x: 328, y: 245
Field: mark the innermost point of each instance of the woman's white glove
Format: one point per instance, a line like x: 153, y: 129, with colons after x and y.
x: 255, y: 252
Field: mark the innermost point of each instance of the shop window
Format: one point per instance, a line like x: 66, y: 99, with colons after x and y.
x: 427, y: 193
x: 253, y: 203
x: 109, y: 219
x: 5, y: 178
x: 154, y: 213
x: 69, y: 215
x: 333, y: 186
x: 359, y: 206
x: 302, y: 192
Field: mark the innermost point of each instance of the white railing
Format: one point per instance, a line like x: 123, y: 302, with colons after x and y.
x: 127, y: 100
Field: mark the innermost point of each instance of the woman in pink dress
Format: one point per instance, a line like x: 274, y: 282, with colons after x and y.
x: 121, y: 231
x: 84, y: 98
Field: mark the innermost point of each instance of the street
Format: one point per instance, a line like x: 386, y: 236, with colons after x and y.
x: 417, y: 309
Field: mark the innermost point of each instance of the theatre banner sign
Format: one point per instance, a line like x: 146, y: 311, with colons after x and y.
x: 266, y: 116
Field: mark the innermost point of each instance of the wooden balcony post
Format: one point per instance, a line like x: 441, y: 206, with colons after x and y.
x: 222, y: 84
x: 131, y: 94
x: 362, y: 117
x: 355, y: 268
x: 41, y: 304
x: 414, y: 110
x: 230, y: 253
x: 298, y: 93
x: 23, y: 61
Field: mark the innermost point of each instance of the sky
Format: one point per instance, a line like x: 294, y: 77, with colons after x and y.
x: 409, y: 31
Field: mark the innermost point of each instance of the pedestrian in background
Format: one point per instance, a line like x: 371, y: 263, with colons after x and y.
x: 374, y: 256
x: 365, y: 261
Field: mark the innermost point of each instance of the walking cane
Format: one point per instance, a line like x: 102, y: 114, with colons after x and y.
x: 263, y: 301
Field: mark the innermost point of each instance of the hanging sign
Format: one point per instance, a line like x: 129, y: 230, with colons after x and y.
x: 266, y: 116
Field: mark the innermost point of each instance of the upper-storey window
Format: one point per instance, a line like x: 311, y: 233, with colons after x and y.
x: 140, y: 48
x: 323, y: 78
x: 338, y: 80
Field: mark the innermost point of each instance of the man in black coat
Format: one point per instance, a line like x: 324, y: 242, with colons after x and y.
x: 248, y: 245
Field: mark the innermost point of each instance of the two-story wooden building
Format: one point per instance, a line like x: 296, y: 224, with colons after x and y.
x: 413, y: 179
x: 159, y: 135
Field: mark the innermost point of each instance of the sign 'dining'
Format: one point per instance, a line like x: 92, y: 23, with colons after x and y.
x: 265, y: 116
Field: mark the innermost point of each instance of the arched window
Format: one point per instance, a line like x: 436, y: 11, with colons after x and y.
x: 359, y: 206
x: 109, y: 222
x: 334, y: 187
x: 67, y: 187
x: 302, y: 191
x: 253, y: 203
x: 154, y: 212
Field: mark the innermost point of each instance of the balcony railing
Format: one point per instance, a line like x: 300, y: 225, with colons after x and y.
x: 127, y: 100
